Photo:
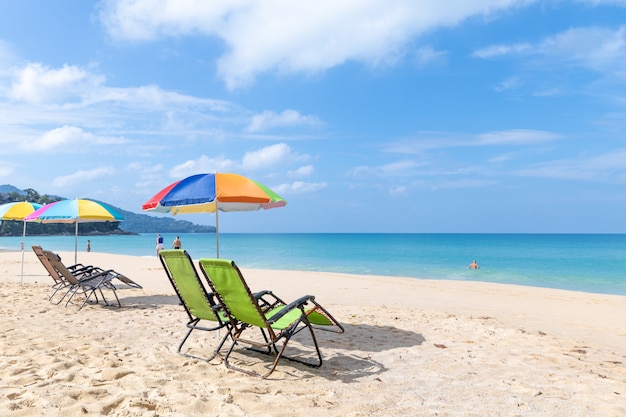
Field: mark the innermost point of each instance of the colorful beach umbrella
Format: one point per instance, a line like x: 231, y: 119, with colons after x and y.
x: 210, y: 193
x: 19, y: 211
x: 75, y: 211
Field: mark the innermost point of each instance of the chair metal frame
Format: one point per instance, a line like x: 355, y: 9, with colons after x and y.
x: 87, y: 283
x: 277, y: 320
x: 196, y: 313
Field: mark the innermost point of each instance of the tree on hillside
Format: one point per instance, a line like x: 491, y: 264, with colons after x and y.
x: 14, y: 227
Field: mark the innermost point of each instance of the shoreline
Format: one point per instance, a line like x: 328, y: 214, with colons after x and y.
x: 70, y: 255
x: 438, y: 347
x: 588, y: 264
x: 434, y: 294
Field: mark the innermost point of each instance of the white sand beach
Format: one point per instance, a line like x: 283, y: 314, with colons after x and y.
x: 411, y: 348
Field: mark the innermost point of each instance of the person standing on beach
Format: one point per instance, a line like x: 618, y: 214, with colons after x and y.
x: 88, y: 246
x: 176, y: 244
x: 159, y: 244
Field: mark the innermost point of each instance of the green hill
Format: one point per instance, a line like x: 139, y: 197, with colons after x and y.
x: 133, y: 222
x: 142, y: 223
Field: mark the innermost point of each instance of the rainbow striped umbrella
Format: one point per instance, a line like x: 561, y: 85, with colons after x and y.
x: 211, y: 193
x: 18, y: 211
x: 75, y: 211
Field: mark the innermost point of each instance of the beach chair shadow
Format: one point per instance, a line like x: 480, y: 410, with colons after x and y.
x: 86, y: 283
x: 352, y: 357
x: 378, y: 338
x: 199, y: 304
x: 150, y: 301
x: 277, y: 321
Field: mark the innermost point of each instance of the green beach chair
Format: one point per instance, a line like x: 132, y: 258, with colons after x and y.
x: 277, y: 320
x: 198, y: 303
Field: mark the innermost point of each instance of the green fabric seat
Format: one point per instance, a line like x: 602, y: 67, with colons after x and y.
x: 199, y: 304
x: 277, y: 320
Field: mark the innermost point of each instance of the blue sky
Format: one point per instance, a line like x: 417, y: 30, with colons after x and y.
x: 366, y: 116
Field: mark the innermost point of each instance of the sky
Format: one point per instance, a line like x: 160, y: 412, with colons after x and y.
x: 447, y: 116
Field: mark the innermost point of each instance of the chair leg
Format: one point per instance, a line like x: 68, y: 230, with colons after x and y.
x: 268, y: 345
x: 116, y: 297
x: 192, y: 327
x: 87, y: 297
x: 70, y: 288
x: 280, y: 355
x: 235, y: 338
x: 71, y: 293
x: 287, y: 336
x: 56, y: 290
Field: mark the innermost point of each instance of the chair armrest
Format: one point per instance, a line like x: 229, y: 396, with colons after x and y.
x: 78, y: 266
x: 265, y: 302
x: 291, y: 306
x: 260, y: 294
x: 106, y: 275
x: 83, y: 269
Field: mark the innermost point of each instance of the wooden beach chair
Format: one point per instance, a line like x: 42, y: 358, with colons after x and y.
x: 80, y: 268
x: 199, y: 304
x: 85, y: 283
x: 59, y: 281
x: 277, y: 320
x: 116, y: 275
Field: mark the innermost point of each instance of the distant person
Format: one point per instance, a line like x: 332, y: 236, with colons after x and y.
x: 176, y: 244
x: 88, y: 246
x: 473, y: 265
x: 159, y: 244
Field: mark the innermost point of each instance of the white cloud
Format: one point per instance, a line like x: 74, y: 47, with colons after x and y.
x: 146, y: 20
x: 463, y: 184
x: 399, y: 190
x: 269, y: 120
x: 499, y: 50
x: 516, y: 137
x: 61, y: 109
x: 8, y: 58
x: 605, y: 167
x: 293, y: 37
x: 393, y: 169
x: 69, y: 139
x: 83, y: 176
x: 427, y: 55
x: 203, y: 164
x: 303, y: 171
x: 299, y: 187
x: 597, y: 48
x: 508, y: 84
x: 56, y: 90
x: 37, y: 83
x: 271, y: 156
x: 424, y: 141
x: 6, y: 169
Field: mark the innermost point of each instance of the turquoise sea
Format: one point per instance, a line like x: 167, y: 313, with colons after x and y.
x: 580, y: 262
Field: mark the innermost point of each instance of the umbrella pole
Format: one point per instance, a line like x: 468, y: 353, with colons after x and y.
x: 217, y: 234
x: 23, y: 237
x: 76, y: 244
